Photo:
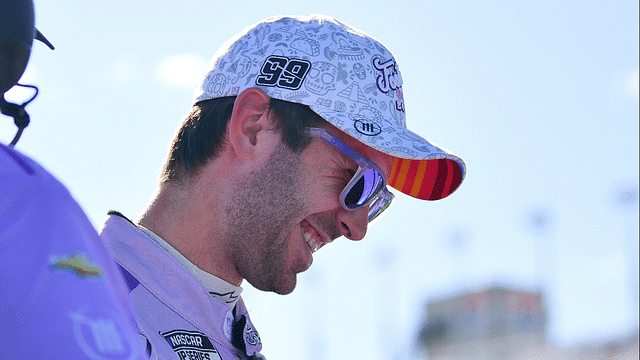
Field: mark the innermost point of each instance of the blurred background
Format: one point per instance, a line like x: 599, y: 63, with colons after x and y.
x: 540, y: 98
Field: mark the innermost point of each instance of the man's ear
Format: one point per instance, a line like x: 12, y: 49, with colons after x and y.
x: 249, y: 117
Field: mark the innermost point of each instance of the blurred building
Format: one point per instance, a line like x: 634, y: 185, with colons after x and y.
x: 498, y: 323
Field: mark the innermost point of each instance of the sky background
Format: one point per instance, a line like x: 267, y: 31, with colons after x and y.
x: 540, y: 99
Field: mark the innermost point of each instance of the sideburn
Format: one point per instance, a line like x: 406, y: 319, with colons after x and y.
x: 266, y: 207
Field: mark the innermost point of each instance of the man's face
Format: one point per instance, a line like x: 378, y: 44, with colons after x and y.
x: 291, y: 206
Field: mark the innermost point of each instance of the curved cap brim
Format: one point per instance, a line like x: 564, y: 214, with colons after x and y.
x: 420, y: 168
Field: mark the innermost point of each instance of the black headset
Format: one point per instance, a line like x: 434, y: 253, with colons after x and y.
x: 17, y: 31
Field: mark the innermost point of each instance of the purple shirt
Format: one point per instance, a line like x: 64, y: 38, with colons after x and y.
x: 61, y: 296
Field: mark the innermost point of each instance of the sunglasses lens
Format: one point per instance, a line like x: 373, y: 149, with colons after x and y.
x: 364, y: 189
x: 379, y: 205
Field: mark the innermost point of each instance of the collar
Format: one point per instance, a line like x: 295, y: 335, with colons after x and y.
x: 218, y: 288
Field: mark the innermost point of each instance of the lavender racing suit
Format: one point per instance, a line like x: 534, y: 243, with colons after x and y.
x: 176, y: 314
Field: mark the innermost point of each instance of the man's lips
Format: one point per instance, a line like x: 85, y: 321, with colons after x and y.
x: 311, y: 236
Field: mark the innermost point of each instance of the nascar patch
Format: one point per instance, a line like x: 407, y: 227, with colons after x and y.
x: 191, y: 345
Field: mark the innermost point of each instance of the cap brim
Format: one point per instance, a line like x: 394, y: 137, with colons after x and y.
x: 420, y: 168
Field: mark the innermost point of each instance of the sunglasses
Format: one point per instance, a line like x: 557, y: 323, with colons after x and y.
x: 367, y: 187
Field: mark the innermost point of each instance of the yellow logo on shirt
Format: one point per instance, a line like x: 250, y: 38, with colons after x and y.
x: 78, y: 264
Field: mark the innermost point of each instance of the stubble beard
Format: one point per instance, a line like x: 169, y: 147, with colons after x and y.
x: 267, y: 208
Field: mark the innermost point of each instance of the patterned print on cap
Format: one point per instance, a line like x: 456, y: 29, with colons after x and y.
x: 348, y: 78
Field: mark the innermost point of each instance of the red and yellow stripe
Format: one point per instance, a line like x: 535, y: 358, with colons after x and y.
x: 426, y: 179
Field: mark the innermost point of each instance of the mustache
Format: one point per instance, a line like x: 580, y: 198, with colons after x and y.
x: 327, y: 223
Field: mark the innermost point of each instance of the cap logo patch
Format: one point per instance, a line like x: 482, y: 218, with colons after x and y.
x: 388, y: 79
x: 283, y: 72
x: 367, y: 128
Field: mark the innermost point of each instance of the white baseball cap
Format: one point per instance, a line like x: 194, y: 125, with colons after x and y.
x: 348, y: 78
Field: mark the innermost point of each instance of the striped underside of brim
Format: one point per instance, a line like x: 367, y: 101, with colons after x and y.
x: 426, y: 179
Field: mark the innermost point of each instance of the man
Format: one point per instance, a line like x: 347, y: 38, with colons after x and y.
x: 295, y: 132
x: 61, y: 295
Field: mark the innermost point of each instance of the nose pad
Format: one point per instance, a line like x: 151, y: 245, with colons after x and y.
x: 353, y: 224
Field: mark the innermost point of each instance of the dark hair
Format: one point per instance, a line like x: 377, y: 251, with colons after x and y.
x: 202, y: 133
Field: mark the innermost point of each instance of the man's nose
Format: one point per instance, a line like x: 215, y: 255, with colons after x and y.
x: 353, y: 224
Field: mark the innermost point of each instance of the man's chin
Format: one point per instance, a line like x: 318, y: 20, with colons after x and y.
x: 284, y: 292
x: 285, y: 289
x: 282, y: 288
